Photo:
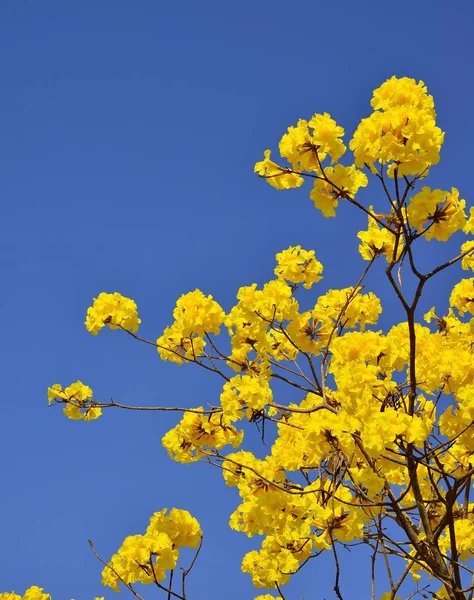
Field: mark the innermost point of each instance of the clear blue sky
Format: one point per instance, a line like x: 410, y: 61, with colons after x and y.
x: 129, y: 134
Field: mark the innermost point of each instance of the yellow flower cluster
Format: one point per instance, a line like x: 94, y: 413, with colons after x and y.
x: 32, y: 593
x: 468, y: 261
x: 244, y: 392
x: 337, y: 183
x: 172, y: 346
x: 436, y: 213
x: 295, y: 520
x: 275, y: 562
x: 321, y: 133
x: 196, y: 316
x: 252, y: 322
x: 356, y: 308
x: 297, y: 265
x: 114, y: 310
x: 279, y: 177
x: 401, y: 132
x: 255, y: 324
x: 462, y: 296
x: 377, y: 240
x: 198, y: 433
x: 306, y: 146
x: 146, y: 558
x: 464, y: 534
x: 78, y: 400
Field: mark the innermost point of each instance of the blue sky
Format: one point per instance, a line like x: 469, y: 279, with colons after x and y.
x: 128, y: 139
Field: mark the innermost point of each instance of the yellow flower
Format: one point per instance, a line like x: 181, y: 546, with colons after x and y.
x: 35, y: 593
x: 182, y: 528
x: 78, y: 399
x: 173, y: 346
x: 297, y: 147
x: 309, y: 143
x: 197, y: 434
x: 147, y: 558
x: 350, y: 306
x: 154, y: 551
x: 326, y: 136
x: 340, y: 180
x: 377, y: 240
x: 197, y: 314
x: 113, y: 310
x: 462, y: 296
x: 279, y: 177
x: 401, y: 131
x: 244, y: 392
x: 298, y: 266
x: 436, y: 213
x: 467, y: 261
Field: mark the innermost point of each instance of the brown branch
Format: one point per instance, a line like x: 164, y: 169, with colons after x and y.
x: 336, y: 587
x: 181, y: 356
x: 189, y: 569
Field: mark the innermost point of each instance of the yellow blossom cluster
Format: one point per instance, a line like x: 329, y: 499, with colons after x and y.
x: 78, y: 399
x: 197, y: 313
x: 462, y: 296
x: 338, y: 182
x: 113, y: 310
x: 280, y: 178
x: 320, y: 133
x: 306, y: 146
x: 297, y: 265
x: 437, y: 214
x: 401, y: 132
x: 244, y: 392
x: 252, y: 325
x: 379, y: 240
x: 468, y: 260
x: 196, y: 316
x: 146, y: 558
x: 198, y: 433
x: 32, y: 593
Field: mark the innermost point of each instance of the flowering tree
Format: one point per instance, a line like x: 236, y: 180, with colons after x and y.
x: 378, y: 452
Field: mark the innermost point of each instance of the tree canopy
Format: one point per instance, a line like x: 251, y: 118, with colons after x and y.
x: 367, y: 433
